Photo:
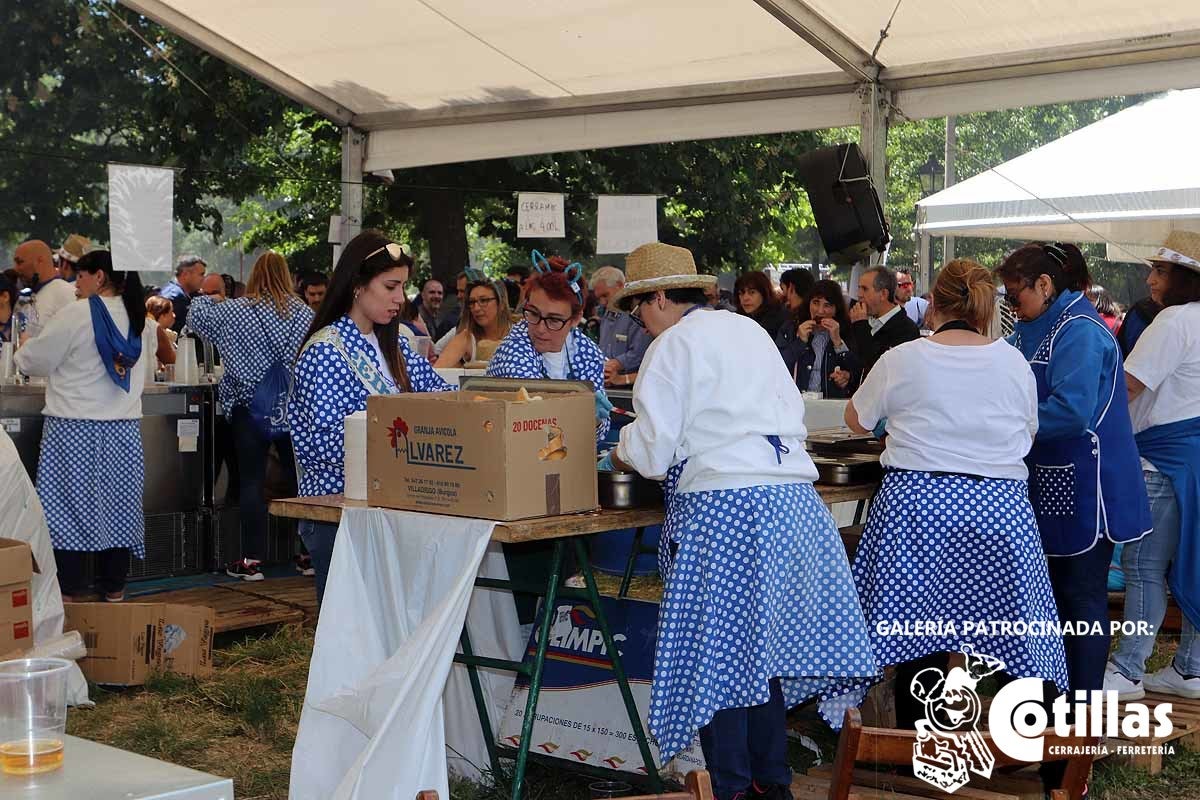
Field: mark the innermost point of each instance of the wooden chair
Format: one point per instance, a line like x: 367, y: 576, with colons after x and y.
x: 892, y: 746
x: 697, y: 786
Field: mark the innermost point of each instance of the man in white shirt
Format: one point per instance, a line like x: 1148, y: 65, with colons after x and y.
x: 878, y: 322
x: 34, y: 262
x: 915, y: 307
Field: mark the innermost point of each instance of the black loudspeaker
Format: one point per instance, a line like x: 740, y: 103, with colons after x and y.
x: 844, y: 203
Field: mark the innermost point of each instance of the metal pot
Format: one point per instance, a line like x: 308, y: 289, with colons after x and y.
x: 627, y: 490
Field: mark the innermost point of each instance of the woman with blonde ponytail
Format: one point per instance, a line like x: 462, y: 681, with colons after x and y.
x: 255, y: 334
x: 951, y: 538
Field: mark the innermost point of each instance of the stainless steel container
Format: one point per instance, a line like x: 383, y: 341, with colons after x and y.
x: 627, y: 490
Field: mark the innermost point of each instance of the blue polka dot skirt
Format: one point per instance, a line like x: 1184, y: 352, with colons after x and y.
x: 90, y: 479
x: 757, y: 587
x: 941, y: 551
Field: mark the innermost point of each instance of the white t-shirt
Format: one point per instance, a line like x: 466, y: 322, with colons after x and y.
x: 710, y: 389
x: 79, y: 386
x: 556, y: 364
x: 968, y: 409
x: 380, y: 361
x: 1166, y: 360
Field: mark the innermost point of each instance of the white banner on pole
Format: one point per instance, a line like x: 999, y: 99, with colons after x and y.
x: 540, y: 216
x: 625, y: 222
x: 141, y: 204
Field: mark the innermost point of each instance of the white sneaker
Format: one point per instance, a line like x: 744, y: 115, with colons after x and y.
x: 1168, y: 681
x: 1126, y: 689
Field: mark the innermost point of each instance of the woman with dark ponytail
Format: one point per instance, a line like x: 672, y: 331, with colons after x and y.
x: 97, y: 354
x: 1085, y: 476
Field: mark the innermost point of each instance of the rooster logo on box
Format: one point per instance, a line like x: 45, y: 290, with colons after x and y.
x: 948, y: 743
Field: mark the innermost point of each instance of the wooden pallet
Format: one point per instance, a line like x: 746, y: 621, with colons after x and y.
x: 1185, y: 721
x: 298, y: 592
x: 872, y: 785
x: 234, y: 609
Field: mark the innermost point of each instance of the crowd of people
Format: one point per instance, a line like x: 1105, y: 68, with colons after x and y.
x: 1014, y: 466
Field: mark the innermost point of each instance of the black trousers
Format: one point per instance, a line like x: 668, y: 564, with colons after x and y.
x: 112, y: 567
x: 252, y: 451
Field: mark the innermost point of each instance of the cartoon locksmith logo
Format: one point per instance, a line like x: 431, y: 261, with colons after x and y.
x: 949, y: 746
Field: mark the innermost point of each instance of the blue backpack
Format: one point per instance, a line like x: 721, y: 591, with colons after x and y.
x: 268, y: 406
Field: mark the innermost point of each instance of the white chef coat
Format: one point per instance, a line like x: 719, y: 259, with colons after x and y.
x: 79, y: 386
x: 48, y: 301
x: 709, y: 390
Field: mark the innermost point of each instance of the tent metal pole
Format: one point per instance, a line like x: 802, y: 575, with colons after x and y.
x: 873, y: 130
x: 951, y: 150
x: 354, y: 152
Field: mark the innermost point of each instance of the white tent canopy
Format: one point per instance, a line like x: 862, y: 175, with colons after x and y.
x: 440, y: 81
x: 1128, y: 179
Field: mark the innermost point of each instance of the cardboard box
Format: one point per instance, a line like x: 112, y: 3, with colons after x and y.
x: 493, y: 458
x: 16, y: 597
x: 128, y: 641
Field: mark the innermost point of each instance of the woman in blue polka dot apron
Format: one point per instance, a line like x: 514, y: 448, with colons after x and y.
x: 91, y: 471
x: 951, y: 540
x: 759, y: 611
x: 353, y: 349
x: 1085, y: 475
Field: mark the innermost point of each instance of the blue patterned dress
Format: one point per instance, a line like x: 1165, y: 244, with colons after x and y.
x: 326, y: 389
x: 251, y: 336
x: 517, y: 358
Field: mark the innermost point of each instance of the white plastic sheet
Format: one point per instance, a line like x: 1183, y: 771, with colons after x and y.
x: 374, y: 723
x: 22, y: 518
x: 141, y: 204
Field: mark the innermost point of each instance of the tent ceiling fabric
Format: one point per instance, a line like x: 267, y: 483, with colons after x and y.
x: 1129, y: 178
x: 406, y: 67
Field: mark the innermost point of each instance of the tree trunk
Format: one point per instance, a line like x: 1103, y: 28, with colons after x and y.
x: 445, y: 223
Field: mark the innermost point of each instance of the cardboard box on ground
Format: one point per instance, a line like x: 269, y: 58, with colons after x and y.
x: 126, y: 642
x: 16, y: 599
x: 489, y: 455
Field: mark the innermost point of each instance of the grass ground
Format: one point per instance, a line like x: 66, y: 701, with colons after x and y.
x: 241, y: 723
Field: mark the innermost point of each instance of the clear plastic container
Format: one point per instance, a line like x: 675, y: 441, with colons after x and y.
x: 33, y: 714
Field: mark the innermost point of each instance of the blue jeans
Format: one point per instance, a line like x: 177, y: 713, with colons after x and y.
x: 318, y: 537
x: 744, y: 745
x: 1146, y: 563
x: 1080, y: 585
x: 252, y: 452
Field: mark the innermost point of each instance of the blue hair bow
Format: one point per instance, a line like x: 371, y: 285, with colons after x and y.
x: 573, y: 272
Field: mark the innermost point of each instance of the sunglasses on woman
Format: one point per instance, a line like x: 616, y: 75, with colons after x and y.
x: 395, y: 252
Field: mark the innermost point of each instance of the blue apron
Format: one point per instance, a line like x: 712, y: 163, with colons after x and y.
x: 1088, y: 486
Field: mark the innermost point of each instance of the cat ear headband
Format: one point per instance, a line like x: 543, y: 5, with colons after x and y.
x: 573, y: 271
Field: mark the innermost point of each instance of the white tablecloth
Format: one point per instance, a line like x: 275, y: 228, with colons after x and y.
x: 384, y: 704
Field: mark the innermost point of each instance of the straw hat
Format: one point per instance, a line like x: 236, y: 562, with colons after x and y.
x: 1182, y: 248
x: 74, y: 247
x: 657, y: 267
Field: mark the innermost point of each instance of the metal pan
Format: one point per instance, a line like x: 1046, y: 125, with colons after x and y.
x: 618, y: 490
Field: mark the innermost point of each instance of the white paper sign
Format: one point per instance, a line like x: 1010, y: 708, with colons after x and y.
x: 540, y: 216
x: 625, y: 222
x: 141, y: 204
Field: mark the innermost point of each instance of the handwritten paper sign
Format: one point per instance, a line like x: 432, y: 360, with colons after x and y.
x: 625, y: 222
x: 540, y: 216
x: 141, y: 204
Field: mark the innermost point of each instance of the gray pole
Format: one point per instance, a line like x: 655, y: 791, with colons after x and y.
x: 951, y: 147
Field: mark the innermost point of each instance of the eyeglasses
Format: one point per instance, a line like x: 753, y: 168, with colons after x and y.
x: 1014, y: 299
x: 533, y: 317
x: 480, y: 301
x: 395, y: 252
x: 635, y: 310
x: 904, y: 283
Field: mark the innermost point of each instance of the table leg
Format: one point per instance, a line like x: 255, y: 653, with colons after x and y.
x: 634, y: 551
x: 539, y: 661
x: 489, y: 739
x: 858, y: 511
x: 635, y: 720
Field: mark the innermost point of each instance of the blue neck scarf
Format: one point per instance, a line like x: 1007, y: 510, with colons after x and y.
x: 118, y: 353
x: 1174, y: 450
